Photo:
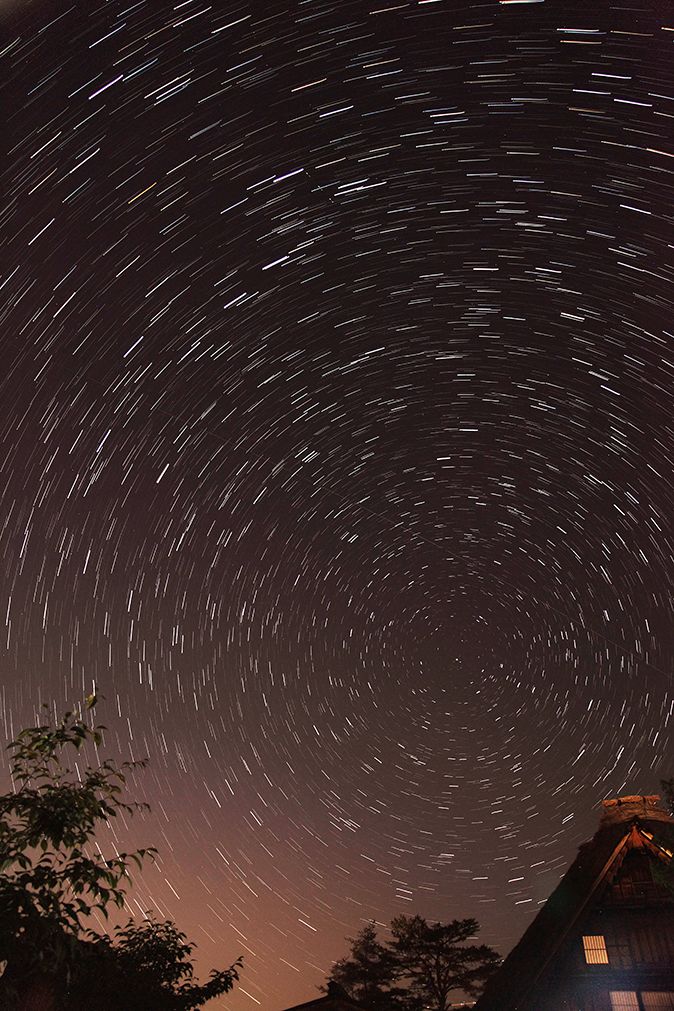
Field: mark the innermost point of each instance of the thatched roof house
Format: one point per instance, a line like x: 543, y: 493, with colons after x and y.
x: 604, y: 940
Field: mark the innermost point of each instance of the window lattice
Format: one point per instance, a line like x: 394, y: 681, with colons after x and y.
x: 654, y: 1000
x: 594, y: 946
x: 624, y: 1000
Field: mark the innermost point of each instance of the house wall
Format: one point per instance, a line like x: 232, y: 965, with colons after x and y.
x: 640, y: 952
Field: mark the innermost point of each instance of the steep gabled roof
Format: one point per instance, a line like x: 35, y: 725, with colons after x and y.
x: 626, y: 824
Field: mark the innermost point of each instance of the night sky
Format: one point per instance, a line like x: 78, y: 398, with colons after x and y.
x: 336, y: 444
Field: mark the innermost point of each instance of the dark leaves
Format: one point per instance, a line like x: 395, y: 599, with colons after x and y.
x: 53, y: 876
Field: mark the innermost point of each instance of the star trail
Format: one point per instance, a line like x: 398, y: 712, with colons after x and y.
x: 336, y: 444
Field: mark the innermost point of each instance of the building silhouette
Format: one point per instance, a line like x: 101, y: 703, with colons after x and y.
x: 336, y: 999
x: 604, y: 940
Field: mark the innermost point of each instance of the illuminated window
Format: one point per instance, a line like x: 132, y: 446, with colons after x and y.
x: 624, y: 1000
x: 657, y: 1000
x: 595, y: 949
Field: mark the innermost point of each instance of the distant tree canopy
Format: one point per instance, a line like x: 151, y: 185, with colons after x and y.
x: 418, y: 968
x: 368, y: 973
x: 667, y: 787
x: 53, y: 877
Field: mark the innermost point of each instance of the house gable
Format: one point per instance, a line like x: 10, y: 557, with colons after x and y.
x: 607, y: 922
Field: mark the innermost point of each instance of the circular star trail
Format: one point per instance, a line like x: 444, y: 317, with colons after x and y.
x: 337, y: 444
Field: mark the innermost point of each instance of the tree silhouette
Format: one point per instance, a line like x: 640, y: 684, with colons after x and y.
x: 53, y: 877
x: 417, y: 969
x: 435, y: 960
x: 368, y: 972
